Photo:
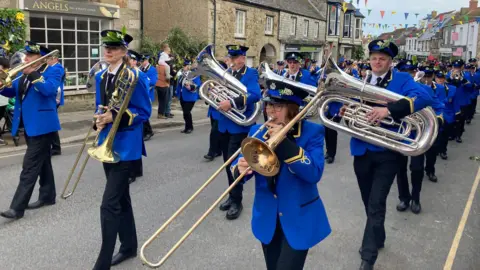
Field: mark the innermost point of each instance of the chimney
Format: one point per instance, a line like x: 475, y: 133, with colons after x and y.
x: 473, y: 5
x: 434, y: 14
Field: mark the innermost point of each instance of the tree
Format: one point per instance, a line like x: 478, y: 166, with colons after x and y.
x: 358, y: 52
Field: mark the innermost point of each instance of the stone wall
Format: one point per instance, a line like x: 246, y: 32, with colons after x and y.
x: 286, y: 26
x: 8, y: 3
x: 192, y: 16
x: 255, y: 37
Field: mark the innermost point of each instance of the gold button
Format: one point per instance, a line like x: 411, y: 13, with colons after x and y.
x: 280, y: 214
x: 275, y: 196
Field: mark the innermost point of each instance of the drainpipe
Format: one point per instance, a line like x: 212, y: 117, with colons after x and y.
x: 214, y: 24
x: 141, y: 17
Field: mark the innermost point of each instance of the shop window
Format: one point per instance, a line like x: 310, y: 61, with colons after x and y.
x: 77, y: 39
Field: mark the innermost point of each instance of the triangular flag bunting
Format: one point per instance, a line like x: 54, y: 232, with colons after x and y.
x: 406, y: 25
x: 394, y: 12
x: 453, y: 17
x: 416, y: 14
x: 369, y: 11
x: 382, y: 13
x: 440, y: 17
x: 466, y: 18
x: 460, y: 22
x: 344, y: 7
x: 406, y: 15
x: 358, y: 2
x: 477, y: 19
x: 366, y: 1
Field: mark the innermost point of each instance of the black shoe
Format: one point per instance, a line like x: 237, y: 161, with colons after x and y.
x: 56, y: 152
x: 402, y: 206
x: 234, y: 211
x: 208, y: 157
x: 147, y: 136
x: 120, y: 257
x: 12, y: 214
x: 226, y: 205
x: 170, y: 116
x: 416, y: 207
x: 468, y: 122
x: 459, y: 140
x: 39, y: 204
x: 183, y: 131
x: 380, y: 247
x: 132, y: 179
x: 432, y: 177
x: 444, y: 156
x: 188, y: 131
x: 365, y: 266
x: 330, y: 160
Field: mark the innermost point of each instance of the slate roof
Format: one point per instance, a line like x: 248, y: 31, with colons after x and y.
x: 299, y: 7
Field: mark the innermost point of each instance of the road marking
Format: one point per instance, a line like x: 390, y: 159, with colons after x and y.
x: 23, y: 153
x: 461, y: 225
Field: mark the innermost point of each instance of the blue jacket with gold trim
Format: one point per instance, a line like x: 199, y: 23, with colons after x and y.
x: 464, y: 89
x: 36, y: 105
x: 250, y: 80
x: 293, y: 196
x: 437, y: 92
x: 152, y: 76
x: 128, y: 142
x: 416, y: 98
x: 184, y: 93
x: 451, y: 106
x: 59, y: 68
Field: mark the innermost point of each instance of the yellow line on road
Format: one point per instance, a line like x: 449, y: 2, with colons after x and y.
x: 461, y: 226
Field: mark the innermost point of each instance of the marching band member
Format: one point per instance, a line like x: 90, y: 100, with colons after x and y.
x: 280, y: 70
x: 35, y: 106
x: 464, y: 88
x: 232, y: 134
x: 55, y: 64
x: 474, y: 77
x: 295, y: 73
x: 116, y: 213
x: 375, y: 167
x: 451, y: 109
x: 152, y: 75
x: 288, y: 215
x: 187, y: 92
x: 350, y: 70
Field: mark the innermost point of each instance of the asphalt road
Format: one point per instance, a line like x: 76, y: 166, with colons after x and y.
x: 67, y: 235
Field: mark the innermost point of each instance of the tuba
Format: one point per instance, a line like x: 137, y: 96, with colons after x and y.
x: 412, y: 136
x: 222, y: 86
x: 100, y: 65
x: 124, y: 87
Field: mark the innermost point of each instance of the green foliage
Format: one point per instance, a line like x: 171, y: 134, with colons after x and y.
x: 12, y: 30
x: 181, y: 44
x: 358, y: 52
x: 414, y: 59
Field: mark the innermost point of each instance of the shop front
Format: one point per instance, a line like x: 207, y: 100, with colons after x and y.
x: 74, y: 29
x: 308, y: 52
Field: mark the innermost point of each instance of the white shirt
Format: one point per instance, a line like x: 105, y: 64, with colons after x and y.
x: 288, y: 75
x: 374, y: 78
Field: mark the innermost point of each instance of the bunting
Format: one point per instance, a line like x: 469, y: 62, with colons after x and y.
x: 406, y: 15
x: 394, y: 12
x: 344, y: 7
x: 477, y: 19
x: 366, y: 1
x: 382, y: 13
x: 416, y: 15
x: 466, y: 18
x: 441, y: 17
x: 406, y: 25
x: 369, y: 11
x: 358, y: 2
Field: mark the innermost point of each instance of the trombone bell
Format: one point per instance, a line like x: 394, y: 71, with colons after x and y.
x: 260, y: 156
x: 103, y: 154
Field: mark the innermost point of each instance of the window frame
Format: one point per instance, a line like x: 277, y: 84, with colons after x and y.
x: 358, y: 30
x: 267, y: 19
x: 237, y: 33
x: 75, y: 75
x: 293, y: 25
x: 348, y: 26
x: 306, y: 27
x: 317, y: 30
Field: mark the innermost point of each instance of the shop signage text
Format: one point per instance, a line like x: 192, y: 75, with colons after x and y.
x: 89, y: 9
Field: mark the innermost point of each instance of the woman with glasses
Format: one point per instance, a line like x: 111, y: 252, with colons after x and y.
x: 288, y: 216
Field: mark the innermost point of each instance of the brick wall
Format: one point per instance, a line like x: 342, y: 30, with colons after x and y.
x: 255, y: 37
x: 299, y: 38
x: 190, y: 15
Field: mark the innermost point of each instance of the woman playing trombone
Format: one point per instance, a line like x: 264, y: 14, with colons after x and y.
x: 288, y: 216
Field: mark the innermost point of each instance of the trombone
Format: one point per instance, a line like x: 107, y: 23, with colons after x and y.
x: 261, y: 158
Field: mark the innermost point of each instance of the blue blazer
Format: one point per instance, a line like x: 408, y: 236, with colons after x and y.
x: 128, y: 141
x: 435, y: 92
x: 451, y: 106
x: 401, y: 83
x: 37, y: 107
x: 250, y: 80
x: 280, y: 72
x: 152, y: 76
x: 213, y: 113
x: 296, y: 201
x: 464, y: 90
x: 59, y: 68
x: 184, y: 93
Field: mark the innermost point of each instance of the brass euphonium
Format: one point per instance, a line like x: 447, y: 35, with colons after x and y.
x: 124, y: 87
x: 222, y: 86
x: 412, y: 136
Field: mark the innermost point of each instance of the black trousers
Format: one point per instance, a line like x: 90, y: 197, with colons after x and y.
x: 279, y: 255
x: 460, y: 121
x: 331, y: 138
x: 36, y: 163
x: 116, y: 214
x: 56, y: 140
x: 472, y: 108
x: 214, y: 148
x: 162, y: 94
x: 416, y: 169
x: 230, y: 143
x: 448, y: 129
x: 375, y: 173
x: 187, y: 107
x: 431, y: 154
x: 147, y: 128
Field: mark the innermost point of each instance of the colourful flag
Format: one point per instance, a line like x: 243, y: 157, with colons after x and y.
x: 466, y: 18
x: 382, y: 13
x: 406, y: 25
x: 369, y: 11
x: 461, y: 22
x: 394, y: 12
x: 441, y: 17
x: 477, y: 19
x: 416, y: 14
x: 344, y: 7
x: 406, y: 15
x: 366, y: 1
x: 401, y: 25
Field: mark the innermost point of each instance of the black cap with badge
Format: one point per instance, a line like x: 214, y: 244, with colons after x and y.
x: 114, y: 38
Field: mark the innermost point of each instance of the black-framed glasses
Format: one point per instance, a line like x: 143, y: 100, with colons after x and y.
x: 277, y: 107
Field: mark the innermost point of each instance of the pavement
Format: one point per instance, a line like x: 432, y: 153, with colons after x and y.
x: 75, y: 125
x: 67, y: 235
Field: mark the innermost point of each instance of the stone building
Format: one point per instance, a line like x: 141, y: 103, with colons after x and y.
x: 73, y: 27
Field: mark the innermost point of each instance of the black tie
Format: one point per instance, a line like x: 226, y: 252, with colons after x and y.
x: 110, y: 86
x: 379, y: 80
x: 292, y: 77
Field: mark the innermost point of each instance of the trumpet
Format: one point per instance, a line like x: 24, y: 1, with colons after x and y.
x: 8, y: 77
x: 456, y: 75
